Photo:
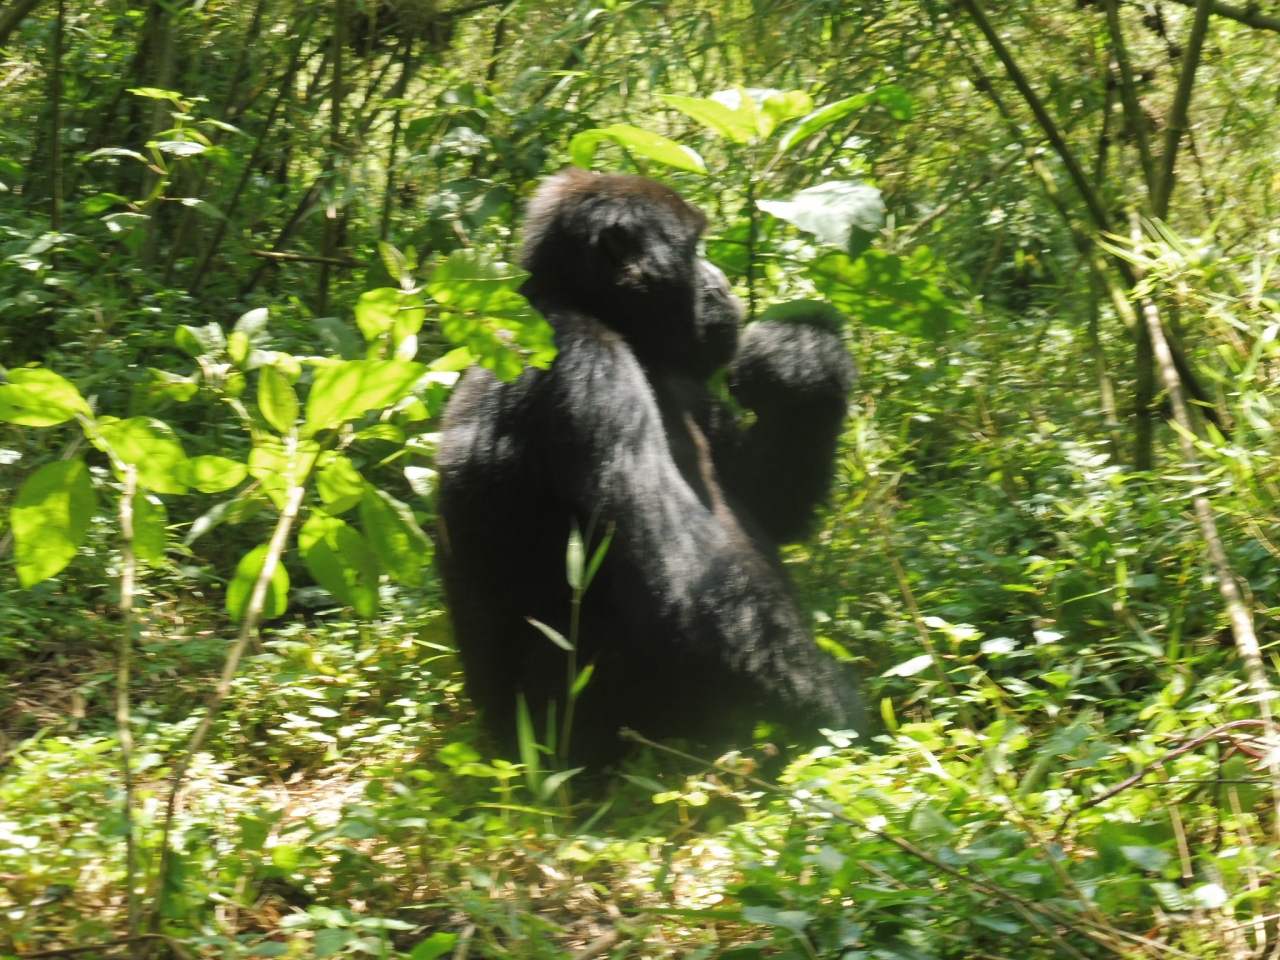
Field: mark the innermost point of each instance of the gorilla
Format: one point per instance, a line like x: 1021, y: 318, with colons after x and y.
x: 690, y: 622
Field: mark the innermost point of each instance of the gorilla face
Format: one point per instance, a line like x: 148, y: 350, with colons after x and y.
x: 624, y: 249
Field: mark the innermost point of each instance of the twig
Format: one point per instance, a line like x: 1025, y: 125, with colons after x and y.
x: 1177, y: 123
x: 109, y: 945
x: 1134, y: 118
x: 598, y: 946
x: 1172, y: 754
x: 305, y: 258
x: 1096, y: 211
x: 248, y: 628
x: 1249, y: 15
x: 128, y: 575
x: 1086, y: 928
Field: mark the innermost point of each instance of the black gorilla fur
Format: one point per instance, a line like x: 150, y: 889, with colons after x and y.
x: 690, y: 621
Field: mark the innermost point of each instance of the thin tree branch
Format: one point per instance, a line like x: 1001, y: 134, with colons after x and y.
x: 1134, y: 116
x: 1249, y: 16
x: 248, y: 628
x: 12, y: 15
x: 1177, y: 123
x: 124, y: 726
x: 303, y: 258
x: 1050, y: 129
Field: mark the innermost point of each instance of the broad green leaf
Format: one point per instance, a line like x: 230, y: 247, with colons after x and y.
x: 822, y: 118
x: 467, y: 280
x: 206, y: 341
x: 36, y: 397
x: 272, y: 463
x: 340, y: 485
x: 888, y: 291
x: 152, y: 447
x: 50, y: 519
x: 382, y: 431
x: 276, y: 399
x: 150, y: 520
x: 338, y: 337
x: 436, y: 945
x: 783, y: 106
x: 736, y: 125
x: 238, y: 347
x: 818, y: 313
x: 240, y: 589
x: 455, y: 360
x: 344, y: 391
x: 400, y: 545
x: 376, y: 311
x: 101, y: 202
x: 1150, y: 859
x: 894, y: 98
x: 422, y: 480
x: 341, y: 561
x: 253, y: 324
x: 582, y: 148
x: 210, y: 474
x: 834, y: 212
x: 399, y: 265
x: 387, y: 309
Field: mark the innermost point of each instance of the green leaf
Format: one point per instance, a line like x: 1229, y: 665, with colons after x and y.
x: 527, y: 742
x: 101, y: 202
x: 376, y: 311
x: 240, y: 589
x: 1150, y: 859
x: 152, y: 447
x: 552, y: 634
x: 482, y: 309
x: 271, y: 462
x: 910, y: 667
x: 554, y: 782
x: 342, y: 562
x: 888, y: 291
x: 597, y: 558
x: 150, y: 536
x: 401, y: 546
x: 346, y: 390
x: 210, y: 474
x: 575, y: 557
x: 783, y: 106
x: 330, y: 941
x: 253, y: 324
x: 340, y: 485
x: 816, y: 313
x: 895, y: 99
x: 436, y: 945
x: 36, y: 397
x: 736, y: 125
x: 793, y: 920
x: 581, y: 680
x: 206, y: 341
x: 582, y: 148
x: 833, y: 212
x: 238, y: 347
x: 50, y: 519
x: 276, y: 399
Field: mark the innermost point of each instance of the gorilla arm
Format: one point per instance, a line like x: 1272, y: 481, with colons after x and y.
x: 796, y: 378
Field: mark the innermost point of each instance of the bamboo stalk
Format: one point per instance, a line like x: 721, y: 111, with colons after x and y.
x: 1177, y: 123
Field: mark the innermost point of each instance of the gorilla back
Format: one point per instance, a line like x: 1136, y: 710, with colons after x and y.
x: 690, y: 622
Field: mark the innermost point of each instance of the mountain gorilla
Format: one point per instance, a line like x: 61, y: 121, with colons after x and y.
x: 690, y: 621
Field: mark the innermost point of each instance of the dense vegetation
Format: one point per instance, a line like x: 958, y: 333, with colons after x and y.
x: 246, y: 248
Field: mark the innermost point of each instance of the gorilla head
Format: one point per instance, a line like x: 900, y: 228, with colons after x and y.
x: 624, y: 249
